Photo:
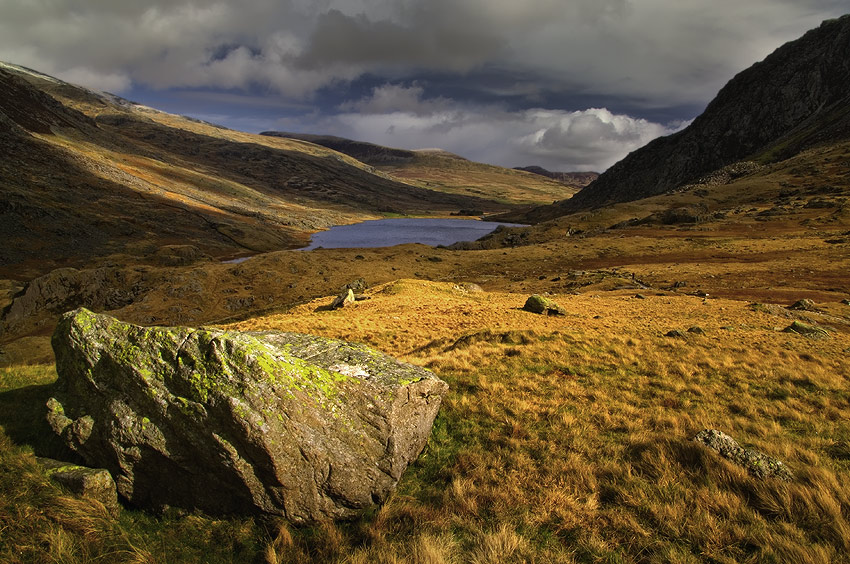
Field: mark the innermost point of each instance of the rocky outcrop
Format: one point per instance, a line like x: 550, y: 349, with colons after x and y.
x: 758, y: 464
x: 281, y: 423
x: 794, y: 99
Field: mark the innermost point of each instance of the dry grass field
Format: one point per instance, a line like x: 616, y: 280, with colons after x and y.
x: 562, y: 439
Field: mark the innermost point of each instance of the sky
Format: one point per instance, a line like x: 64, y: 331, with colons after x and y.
x: 564, y: 84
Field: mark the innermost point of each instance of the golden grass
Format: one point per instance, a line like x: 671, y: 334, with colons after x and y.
x: 568, y: 438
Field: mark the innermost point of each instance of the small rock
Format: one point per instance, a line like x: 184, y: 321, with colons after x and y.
x: 342, y: 300
x: 467, y: 287
x: 809, y: 331
x: 539, y: 304
x: 357, y: 286
x: 696, y: 330
x: 845, y: 301
x: 803, y: 305
x: 94, y: 483
x: 640, y: 296
x: 675, y: 333
x: 758, y: 464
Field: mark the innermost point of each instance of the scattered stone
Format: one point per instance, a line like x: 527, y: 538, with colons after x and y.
x: 467, y: 287
x: 640, y: 296
x: 803, y: 305
x: 94, y: 483
x: 845, y: 301
x: 680, y: 284
x: 343, y: 299
x: 676, y: 334
x: 809, y: 331
x: 696, y: 330
x: 758, y: 464
x: 539, y: 304
x: 293, y: 425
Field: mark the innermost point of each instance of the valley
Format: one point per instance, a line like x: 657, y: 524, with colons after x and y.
x: 563, y: 438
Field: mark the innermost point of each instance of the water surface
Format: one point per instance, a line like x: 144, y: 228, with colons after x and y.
x: 397, y: 231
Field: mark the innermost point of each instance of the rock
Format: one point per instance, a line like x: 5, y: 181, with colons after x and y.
x: 696, y: 330
x: 94, y: 483
x: 676, y: 334
x: 303, y: 427
x: 357, y: 286
x: 539, y: 304
x: 346, y: 297
x: 803, y: 305
x: 845, y: 301
x: 809, y: 331
x: 467, y: 287
x: 640, y: 296
x: 756, y: 463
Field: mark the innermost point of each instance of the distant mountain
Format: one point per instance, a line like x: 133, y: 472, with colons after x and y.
x: 580, y: 179
x: 436, y: 169
x: 798, y: 97
x: 87, y: 175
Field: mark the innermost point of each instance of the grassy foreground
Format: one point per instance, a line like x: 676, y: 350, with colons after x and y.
x: 562, y: 439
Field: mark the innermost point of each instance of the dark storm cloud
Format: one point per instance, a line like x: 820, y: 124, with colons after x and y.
x: 606, y: 73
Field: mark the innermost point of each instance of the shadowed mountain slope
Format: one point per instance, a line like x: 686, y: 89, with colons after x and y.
x: 88, y: 175
x: 798, y: 97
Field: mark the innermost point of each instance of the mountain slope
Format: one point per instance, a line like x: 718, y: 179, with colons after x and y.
x: 794, y: 99
x: 87, y: 175
x: 446, y: 172
x: 572, y: 178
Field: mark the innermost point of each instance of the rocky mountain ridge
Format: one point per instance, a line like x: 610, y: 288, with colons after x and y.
x: 795, y: 99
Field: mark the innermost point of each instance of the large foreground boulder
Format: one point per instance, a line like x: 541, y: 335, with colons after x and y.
x: 227, y: 422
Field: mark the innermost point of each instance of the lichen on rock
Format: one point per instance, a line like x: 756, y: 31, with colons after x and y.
x: 228, y: 422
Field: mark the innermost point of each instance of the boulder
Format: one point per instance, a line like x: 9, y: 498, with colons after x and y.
x: 758, y: 464
x: 806, y: 330
x: 303, y: 427
x: 539, y: 304
x: 94, y: 483
x: 803, y: 305
x: 357, y: 286
x: 343, y: 299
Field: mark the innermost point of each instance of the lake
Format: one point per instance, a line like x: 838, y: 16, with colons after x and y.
x: 389, y: 232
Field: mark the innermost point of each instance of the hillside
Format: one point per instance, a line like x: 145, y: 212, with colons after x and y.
x: 434, y: 169
x: 90, y: 175
x: 580, y: 179
x: 795, y: 99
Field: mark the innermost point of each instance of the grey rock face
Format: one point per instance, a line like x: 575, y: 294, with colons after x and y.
x: 756, y: 463
x: 299, y: 426
x: 794, y: 99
